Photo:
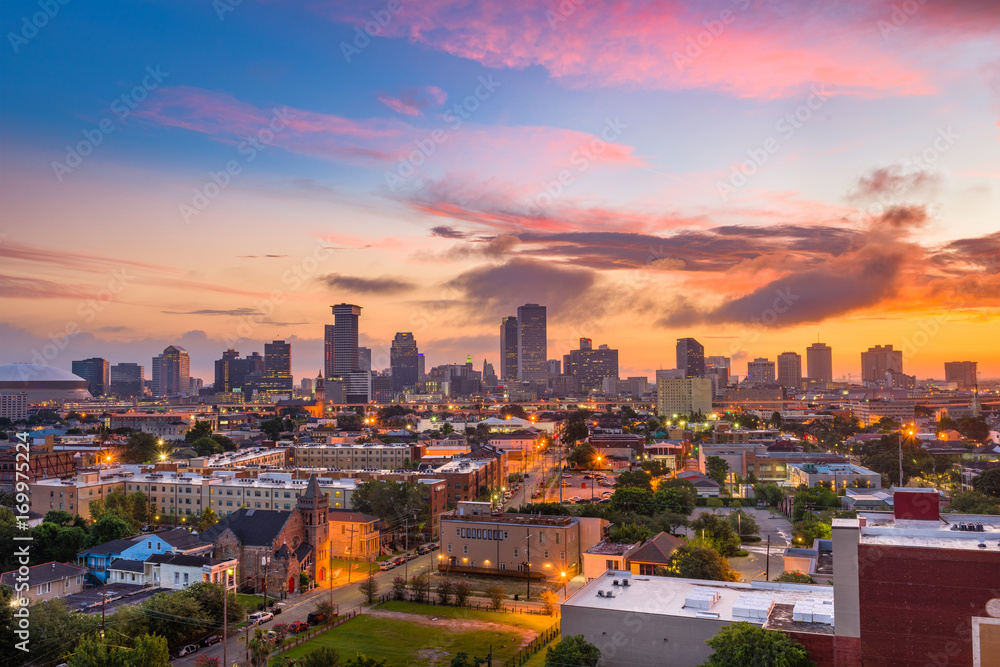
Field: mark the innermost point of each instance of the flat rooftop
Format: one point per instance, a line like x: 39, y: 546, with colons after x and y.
x: 881, y: 528
x: 832, y: 468
x: 768, y: 604
x: 513, y: 519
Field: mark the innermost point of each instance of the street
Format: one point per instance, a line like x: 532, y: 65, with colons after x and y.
x: 346, y: 596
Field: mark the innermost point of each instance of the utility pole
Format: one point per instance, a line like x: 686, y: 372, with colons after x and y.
x: 767, y: 561
x: 225, y: 617
x: 104, y: 600
x: 900, y: 456
x: 406, y: 548
x: 527, y: 562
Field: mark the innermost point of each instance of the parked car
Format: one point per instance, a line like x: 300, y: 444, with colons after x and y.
x: 315, y: 617
x: 423, y: 550
x: 576, y: 499
x: 411, y: 556
x: 187, y: 650
x: 588, y: 477
x: 386, y: 565
x: 278, y: 608
x: 259, y: 617
x: 435, y: 546
x: 211, y: 639
x: 398, y: 560
x: 297, y: 626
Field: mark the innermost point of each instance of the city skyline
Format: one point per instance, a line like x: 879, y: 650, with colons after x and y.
x: 839, y: 179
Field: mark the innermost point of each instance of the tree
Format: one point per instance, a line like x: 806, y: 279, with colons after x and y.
x: 974, y: 428
x: 690, y: 561
x: 582, y: 456
x: 369, y: 588
x: 632, y: 499
x: 574, y: 651
x: 274, y: 427
x: 550, y: 602
x: 399, y: 588
x: 513, y: 410
x: 206, y: 446
x: 676, y: 499
x: 628, y: 533
x: 107, y: 528
x: 201, y: 429
x: 208, y: 596
x: 162, y: 611
x: 260, y: 649
x: 391, y: 501
x: 974, y: 502
x: 716, y: 467
x: 133, y: 508
x: 207, y: 519
x: 794, y: 578
x: 776, y: 419
x: 988, y: 483
x: 140, y: 448
x: 716, y: 532
x: 497, y: 596
x: 361, y: 660
x: 740, y: 644
x: 811, y: 528
x: 743, y: 523
x: 325, y: 608
x: 768, y: 493
x: 639, y: 479
x: 462, y: 659
x: 324, y: 656
x: 444, y: 592
x: 149, y: 651
x: 462, y: 592
x: 208, y: 661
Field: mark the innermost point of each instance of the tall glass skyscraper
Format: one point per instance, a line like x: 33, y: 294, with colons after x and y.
x: 532, y: 344
x: 403, y: 361
x: 691, y: 357
x: 508, y: 348
x: 341, y: 353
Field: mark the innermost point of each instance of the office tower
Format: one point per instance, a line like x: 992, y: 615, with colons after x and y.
x: 230, y: 372
x: 677, y: 396
x: 97, y: 373
x: 691, y: 357
x: 962, y: 373
x: 819, y: 362
x: 532, y: 344
x: 306, y: 385
x: 590, y: 366
x: 171, y: 372
x: 341, y: 354
x: 403, y: 362
x: 508, y: 348
x: 364, y: 358
x: 194, y: 386
x: 718, y: 361
x: 790, y: 370
x: 760, y: 371
x: 127, y: 380
x: 382, y: 391
x: 489, y: 375
x: 553, y: 367
x: 878, y: 361
x: 717, y: 370
x: 421, y: 367
x: 277, y: 376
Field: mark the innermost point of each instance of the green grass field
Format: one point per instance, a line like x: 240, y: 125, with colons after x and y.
x: 432, y: 643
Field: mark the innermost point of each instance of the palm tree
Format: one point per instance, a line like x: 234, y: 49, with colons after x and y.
x: 260, y: 649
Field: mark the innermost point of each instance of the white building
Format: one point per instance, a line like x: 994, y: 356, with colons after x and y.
x: 675, y: 396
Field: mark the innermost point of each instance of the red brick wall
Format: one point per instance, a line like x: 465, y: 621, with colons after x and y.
x: 830, y: 650
x: 917, y: 604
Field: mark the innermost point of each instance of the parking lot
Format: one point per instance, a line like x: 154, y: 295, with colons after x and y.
x: 582, y: 487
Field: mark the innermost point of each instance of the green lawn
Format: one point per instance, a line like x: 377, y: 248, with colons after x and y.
x: 250, y: 602
x: 403, y: 643
x: 530, y: 622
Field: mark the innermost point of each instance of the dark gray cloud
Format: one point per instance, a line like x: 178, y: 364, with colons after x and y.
x: 232, y: 312
x: 893, y: 181
x: 492, y: 291
x: 903, y: 217
x: 448, y: 232
x: 806, y: 296
x: 358, y: 285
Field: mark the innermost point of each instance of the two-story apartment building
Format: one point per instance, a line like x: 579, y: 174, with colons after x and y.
x: 98, y: 558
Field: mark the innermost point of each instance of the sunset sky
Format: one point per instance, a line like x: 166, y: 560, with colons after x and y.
x: 757, y: 174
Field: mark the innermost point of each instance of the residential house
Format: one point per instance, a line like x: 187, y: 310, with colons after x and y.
x: 653, y: 554
x: 46, y: 581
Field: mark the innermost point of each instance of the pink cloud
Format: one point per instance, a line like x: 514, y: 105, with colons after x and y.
x: 524, y: 154
x: 746, y: 48
x: 413, y: 101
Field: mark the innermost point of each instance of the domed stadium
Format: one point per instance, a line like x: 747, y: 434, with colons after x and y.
x: 42, y: 383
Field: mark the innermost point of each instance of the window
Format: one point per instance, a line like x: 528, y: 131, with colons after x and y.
x: 545, y: 554
x: 177, y: 577
x: 44, y: 588
x: 185, y: 578
x: 562, y: 555
x: 465, y: 548
x: 503, y: 566
x: 449, y: 548
x: 515, y: 552
x: 343, y: 529
x: 149, y: 545
x: 647, y: 570
x: 541, y: 538
x: 610, y: 564
x: 557, y: 538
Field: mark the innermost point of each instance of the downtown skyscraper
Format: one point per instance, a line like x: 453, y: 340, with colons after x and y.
x: 277, y: 367
x: 508, y: 349
x: 532, y: 344
x: 691, y: 357
x: 97, y: 373
x: 403, y: 355
x: 172, y: 372
x: 341, y: 360
x: 819, y: 362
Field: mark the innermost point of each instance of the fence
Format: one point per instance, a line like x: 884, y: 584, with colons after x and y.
x: 297, y: 639
x: 474, y: 606
x: 536, y: 645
